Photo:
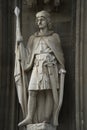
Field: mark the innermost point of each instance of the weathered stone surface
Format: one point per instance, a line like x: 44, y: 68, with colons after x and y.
x: 41, y: 126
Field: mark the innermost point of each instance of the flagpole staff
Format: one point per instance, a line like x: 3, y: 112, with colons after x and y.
x: 20, y: 63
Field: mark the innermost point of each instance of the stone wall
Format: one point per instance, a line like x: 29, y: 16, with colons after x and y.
x: 8, y: 101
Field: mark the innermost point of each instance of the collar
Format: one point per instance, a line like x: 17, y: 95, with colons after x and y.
x: 37, y: 34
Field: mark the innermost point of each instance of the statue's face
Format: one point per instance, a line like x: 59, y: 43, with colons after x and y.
x: 42, y: 22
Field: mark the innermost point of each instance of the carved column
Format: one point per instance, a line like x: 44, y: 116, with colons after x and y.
x: 8, y: 104
x: 81, y: 63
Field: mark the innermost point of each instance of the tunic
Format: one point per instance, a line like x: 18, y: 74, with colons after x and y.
x: 45, y: 68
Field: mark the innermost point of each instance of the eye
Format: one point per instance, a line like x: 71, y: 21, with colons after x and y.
x: 43, y: 19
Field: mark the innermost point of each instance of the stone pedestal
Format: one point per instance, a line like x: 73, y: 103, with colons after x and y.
x: 41, y: 126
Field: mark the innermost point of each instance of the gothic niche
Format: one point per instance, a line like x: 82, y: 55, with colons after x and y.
x: 49, y: 5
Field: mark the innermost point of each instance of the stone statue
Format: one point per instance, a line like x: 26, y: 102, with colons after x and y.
x: 39, y: 73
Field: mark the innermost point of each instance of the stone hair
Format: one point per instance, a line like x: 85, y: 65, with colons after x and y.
x: 46, y: 15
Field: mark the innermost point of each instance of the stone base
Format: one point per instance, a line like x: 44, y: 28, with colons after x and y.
x: 40, y: 126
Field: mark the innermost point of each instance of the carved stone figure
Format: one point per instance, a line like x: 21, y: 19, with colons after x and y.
x: 39, y: 73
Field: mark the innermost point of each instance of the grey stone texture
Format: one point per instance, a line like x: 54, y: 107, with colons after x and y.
x: 41, y: 126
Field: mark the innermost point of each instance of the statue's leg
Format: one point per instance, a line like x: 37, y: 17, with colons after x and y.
x: 48, y: 105
x: 31, y: 108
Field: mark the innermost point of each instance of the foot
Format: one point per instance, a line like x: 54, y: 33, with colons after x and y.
x: 46, y: 121
x: 26, y: 121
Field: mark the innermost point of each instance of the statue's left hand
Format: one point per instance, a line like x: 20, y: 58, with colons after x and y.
x: 62, y: 71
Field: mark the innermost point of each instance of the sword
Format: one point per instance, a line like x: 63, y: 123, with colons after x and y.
x: 61, y: 90
x: 62, y: 73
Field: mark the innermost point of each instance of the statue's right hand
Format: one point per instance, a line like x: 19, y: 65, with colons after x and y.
x: 19, y: 39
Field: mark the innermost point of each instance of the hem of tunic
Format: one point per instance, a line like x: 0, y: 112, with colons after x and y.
x: 40, y: 89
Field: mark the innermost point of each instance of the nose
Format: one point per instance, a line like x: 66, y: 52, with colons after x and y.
x: 39, y: 21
